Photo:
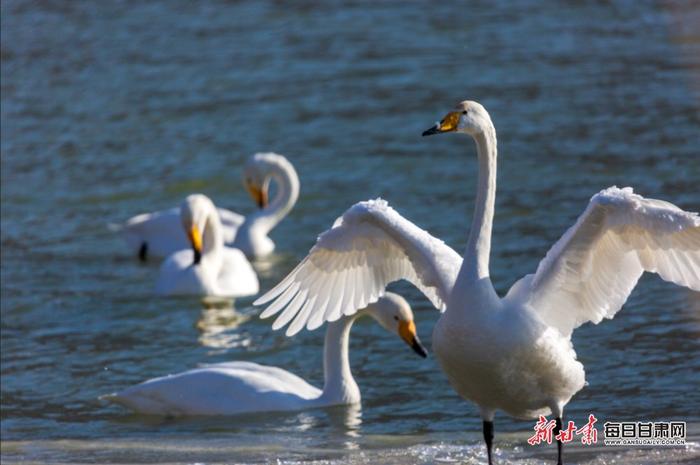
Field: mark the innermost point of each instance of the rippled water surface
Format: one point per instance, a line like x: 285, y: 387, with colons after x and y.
x: 112, y: 108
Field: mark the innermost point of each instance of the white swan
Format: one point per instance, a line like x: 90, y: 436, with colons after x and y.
x: 210, y: 268
x: 158, y: 234
x: 239, y: 387
x: 513, y: 353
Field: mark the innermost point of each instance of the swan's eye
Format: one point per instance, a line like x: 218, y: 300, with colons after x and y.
x: 396, y: 318
x: 464, y: 112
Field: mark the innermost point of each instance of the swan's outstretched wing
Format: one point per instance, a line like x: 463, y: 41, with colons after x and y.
x: 589, y: 273
x: 370, y: 246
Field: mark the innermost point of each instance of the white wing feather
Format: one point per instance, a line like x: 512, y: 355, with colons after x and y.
x: 589, y: 273
x: 370, y: 246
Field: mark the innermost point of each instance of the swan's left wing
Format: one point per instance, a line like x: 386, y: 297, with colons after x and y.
x: 589, y: 273
x: 370, y: 246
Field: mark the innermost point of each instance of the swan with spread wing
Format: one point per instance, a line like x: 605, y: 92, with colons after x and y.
x: 511, y: 353
x: 159, y: 234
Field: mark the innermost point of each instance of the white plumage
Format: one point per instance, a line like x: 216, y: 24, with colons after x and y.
x: 513, y: 353
x: 209, y: 268
x: 239, y: 387
x: 589, y: 273
x: 370, y: 246
x: 158, y: 234
x: 221, y: 389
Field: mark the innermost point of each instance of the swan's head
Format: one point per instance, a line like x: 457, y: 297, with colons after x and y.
x: 256, y: 182
x: 395, y: 315
x: 257, y: 174
x: 260, y: 169
x: 468, y: 117
x: 194, y: 211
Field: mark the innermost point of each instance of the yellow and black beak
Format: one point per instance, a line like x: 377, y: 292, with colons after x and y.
x: 259, y: 194
x: 407, y: 331
x: 195, y: 238
x: 448, y: 124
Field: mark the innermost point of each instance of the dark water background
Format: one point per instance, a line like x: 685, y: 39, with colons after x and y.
x: 112, y: 108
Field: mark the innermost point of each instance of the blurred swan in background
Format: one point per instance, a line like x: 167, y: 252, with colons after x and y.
x: 512, y: 353
x: 209, y: 268
x: 239, y: 387
x: 158, y: 234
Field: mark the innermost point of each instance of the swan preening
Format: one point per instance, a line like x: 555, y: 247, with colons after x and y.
x: 210, y: 268
x: 239, y: 387
x: 511, y: 353
x: 159, y: 234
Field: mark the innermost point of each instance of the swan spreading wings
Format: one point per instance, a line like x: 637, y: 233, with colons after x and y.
x: 370, y: 246
x: 513, y: 353
x: 590, y: 271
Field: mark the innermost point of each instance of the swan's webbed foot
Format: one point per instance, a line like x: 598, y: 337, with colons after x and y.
x: 488, y: 437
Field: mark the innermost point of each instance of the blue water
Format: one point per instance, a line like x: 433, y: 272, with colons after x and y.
x: 113, y: 108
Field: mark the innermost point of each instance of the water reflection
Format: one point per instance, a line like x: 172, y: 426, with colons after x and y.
x: 343, y: 421
x: 268, y: 267
x: 348, y: 419
x: 351, y: 417
x: 218, y: 326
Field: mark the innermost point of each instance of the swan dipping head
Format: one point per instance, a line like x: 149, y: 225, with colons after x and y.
x: 468, y: 117
x: 194, y: 211
x: 256, y: 176
x: 394, y: 314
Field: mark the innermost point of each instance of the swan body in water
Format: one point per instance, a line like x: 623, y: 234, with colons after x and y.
x: 511, y: 353
x: 210, y: 268
x: 158, y: 234
x: 240, y: 387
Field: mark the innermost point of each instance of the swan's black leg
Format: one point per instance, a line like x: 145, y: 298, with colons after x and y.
x: 557, y: 429
x: 488, y: 437
x: 143, y: 251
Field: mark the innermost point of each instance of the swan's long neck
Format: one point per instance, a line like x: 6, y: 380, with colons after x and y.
x: 212, y: 236
x: 287, y: 182
x: 476, y: 258
x: 339, y: 386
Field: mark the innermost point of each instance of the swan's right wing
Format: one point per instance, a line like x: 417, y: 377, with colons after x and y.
x: 589, y: 273
x: 370, y: 246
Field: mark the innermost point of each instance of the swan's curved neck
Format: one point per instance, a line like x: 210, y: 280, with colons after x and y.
x: 339, y: 386
x: 212, y: 236
x: 476, y: 258
x: 287, y: 194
